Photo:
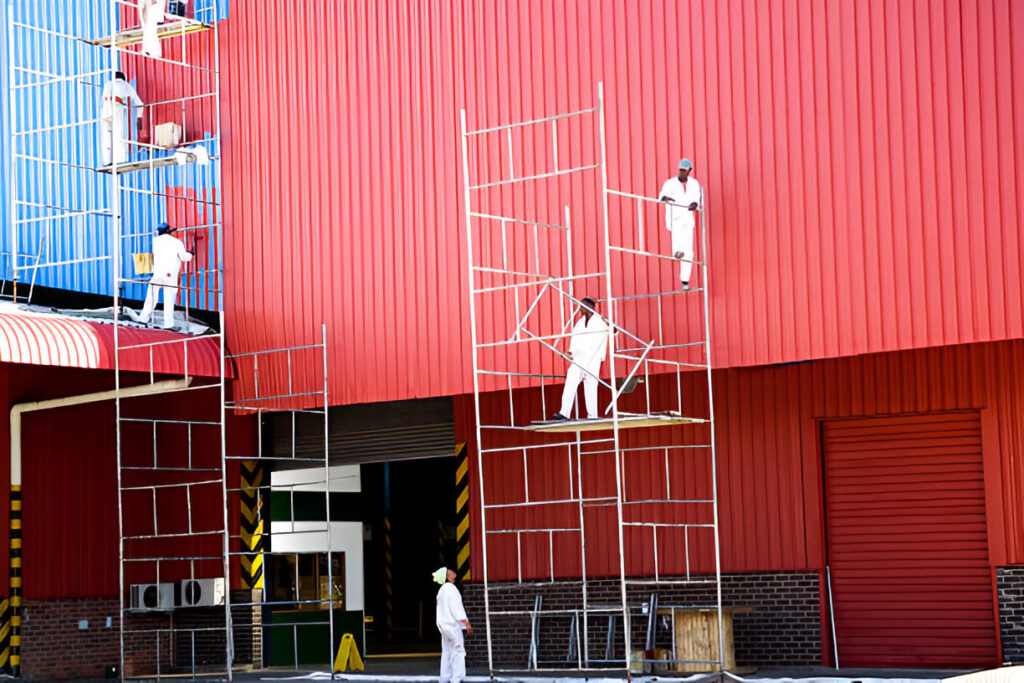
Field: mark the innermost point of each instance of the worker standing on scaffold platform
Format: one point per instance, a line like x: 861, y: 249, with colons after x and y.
x: 588, y: 346
x: 451, y: 618
x: 685, y: 196
x: 115, y: 132
x: 168, y: 254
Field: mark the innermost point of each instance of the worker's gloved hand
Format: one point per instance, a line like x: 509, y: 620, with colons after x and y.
x: 693, y: 206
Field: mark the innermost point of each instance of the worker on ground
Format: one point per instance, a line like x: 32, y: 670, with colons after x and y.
x: 685, y: 197
x: 118, y: 94
x: 451, y: 618
x: 168, y: 254
x: 588, y: 346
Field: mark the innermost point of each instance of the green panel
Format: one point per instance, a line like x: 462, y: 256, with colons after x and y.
x: 313, y: 636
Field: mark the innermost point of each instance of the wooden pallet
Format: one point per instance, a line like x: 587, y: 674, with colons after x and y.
x: 170, y: 29
x: 158, y: 162
x: 630, y: 421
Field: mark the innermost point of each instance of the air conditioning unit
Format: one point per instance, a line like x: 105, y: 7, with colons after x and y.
x: 151, y: 596
x: 201, y: 592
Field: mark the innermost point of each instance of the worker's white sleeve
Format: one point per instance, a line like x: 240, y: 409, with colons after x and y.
x: 454, y: 603
x: 183, y: 254
x: 666, y: 189
x: 136, y: 100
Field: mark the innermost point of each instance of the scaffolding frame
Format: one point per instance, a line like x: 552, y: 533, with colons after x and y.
x: 636, y: 355
x: 153, y: 545
x: 49, y: 153
x: 249, y: 399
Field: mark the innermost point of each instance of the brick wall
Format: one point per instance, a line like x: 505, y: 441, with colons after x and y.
x: 783, y: 629
x: 1010, y: 588
x: 54, y: 647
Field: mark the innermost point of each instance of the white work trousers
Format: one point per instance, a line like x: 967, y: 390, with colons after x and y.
x: 113, y: 139
x: 682, y: 241
x: 151, y: 15
x: 170, y: 293
x: 573, y: 377
x: 453, y: 655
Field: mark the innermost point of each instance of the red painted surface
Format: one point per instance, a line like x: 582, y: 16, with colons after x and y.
x: 769, y: 456
x: 69, y: 483
x: 907, y: 541
x: 861, y: 163
x: 73, y: 343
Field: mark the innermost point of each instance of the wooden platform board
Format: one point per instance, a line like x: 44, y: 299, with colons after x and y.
x: 625, y: 422
x: 145, y: 164
x: 169, y: 29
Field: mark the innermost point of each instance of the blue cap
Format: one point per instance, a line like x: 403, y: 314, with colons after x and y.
x: 163, y: 227
x: 685, y: 164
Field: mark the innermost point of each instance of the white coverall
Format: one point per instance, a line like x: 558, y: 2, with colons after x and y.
x: 450, y: 615
x: 114, y: 133
x: 588, y: 346
x: 680, y: 221
x: 168, y: 254
x: 151, y: 14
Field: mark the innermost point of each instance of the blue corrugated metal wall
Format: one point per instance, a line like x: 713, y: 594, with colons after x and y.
x: 50, y: 172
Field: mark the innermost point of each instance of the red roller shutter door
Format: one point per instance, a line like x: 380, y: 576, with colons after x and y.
x: 905, y: 510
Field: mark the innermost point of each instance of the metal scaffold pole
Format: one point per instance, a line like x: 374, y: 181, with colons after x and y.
x: 533, y: 280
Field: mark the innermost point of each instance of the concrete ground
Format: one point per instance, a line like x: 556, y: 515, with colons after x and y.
x: 425, y: 669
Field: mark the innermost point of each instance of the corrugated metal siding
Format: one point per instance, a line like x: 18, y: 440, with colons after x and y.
x: 907, y: 541
x: 769, y: 453
x: 70, y: 480
x: 81, y: 188
x: 859, y: 158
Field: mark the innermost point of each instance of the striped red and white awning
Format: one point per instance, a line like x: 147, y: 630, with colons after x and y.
x: 41, y: 339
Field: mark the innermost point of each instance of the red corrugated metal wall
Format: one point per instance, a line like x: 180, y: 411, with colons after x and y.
x: 911, y: 579
x: 769, y: 455
x: 861, y: 160
x: 69, y: 479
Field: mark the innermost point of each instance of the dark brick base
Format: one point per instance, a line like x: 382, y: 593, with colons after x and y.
x: 1010, y: 588
x: 54, y: 647
x: 783, y: 629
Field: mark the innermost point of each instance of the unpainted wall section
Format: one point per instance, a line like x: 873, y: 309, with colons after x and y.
x: 769, y: 462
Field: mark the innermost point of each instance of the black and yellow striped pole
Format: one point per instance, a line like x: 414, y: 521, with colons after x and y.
x: 12, y: 625
x: 5, y: 635
x: 389, y: 577
x: 251, y: 526
x: 462, y: 512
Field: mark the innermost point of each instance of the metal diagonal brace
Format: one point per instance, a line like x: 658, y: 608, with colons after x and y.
x: 571, y: 361
x: 625, y: 382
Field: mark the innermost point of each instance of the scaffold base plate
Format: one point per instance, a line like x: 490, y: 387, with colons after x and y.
x: 168, y: 29
x: 630, y: 421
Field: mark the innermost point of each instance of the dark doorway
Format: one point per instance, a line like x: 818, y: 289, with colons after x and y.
x: 410, y: 503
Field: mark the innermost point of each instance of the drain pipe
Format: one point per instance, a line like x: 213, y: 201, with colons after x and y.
x: 13, y: 616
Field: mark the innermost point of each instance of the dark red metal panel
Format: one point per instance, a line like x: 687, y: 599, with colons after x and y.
x: 907, y: 541
x: 860, y: 160
x: 769, y: 454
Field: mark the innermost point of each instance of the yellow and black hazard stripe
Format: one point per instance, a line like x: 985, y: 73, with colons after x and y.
x: 5, y: 636
x: 462, y: 512
x: 251, y: 526
x: 13, y: 622
x: 389, y: 578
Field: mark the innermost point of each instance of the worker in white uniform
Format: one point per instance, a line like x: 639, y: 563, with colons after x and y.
x: 588, y: 346
x: 151, y: 15
x: 168, y: 254
x: 685, y: 197
x: 118, y: 94
x: 451, y: 618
